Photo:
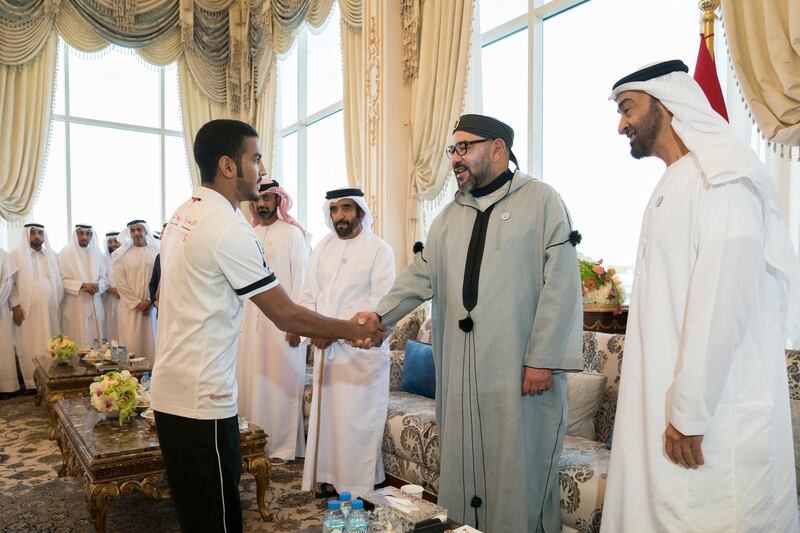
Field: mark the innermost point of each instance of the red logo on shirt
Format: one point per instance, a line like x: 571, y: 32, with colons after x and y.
x: 220, y: 396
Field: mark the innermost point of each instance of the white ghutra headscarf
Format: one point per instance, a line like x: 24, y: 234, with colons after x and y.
x: 23, y: 256
x: 86, y: 262
x: 126, y: 241
x: 723, y: 158
x: 357, y: 195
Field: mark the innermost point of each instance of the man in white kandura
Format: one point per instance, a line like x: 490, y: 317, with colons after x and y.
x: 36, y: 300
x: 703, y: 436
x: 133, y: 266
x: 8, y: 365
x: 83, y: 273
x: 270, y: 364
x: 111, y: 296
x: 349, y: 270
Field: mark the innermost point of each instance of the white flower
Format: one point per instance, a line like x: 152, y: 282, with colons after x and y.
x: 97, y: 388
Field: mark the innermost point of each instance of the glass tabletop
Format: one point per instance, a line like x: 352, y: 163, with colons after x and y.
x: 102, y: 436
x: 78, y: 368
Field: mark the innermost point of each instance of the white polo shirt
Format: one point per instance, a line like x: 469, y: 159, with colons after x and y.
x: 211, y: 262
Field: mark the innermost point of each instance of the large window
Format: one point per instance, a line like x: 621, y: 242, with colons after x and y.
x: 548, y: 74
x: 311, y: 159
x: 116, y: 150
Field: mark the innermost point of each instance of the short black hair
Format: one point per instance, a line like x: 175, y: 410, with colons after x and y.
x: 219, y: 138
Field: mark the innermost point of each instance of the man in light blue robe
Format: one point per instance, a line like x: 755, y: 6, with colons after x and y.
x: 502, y: 271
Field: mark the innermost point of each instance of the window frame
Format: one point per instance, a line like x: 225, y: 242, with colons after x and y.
x: 532, y: 22
x: 67, y: 118
x: 301, y: 125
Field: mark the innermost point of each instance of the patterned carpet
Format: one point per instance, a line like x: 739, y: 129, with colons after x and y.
x: 33, y: 498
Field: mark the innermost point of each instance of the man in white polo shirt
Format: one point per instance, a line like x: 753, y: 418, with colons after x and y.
x: 212, y: 261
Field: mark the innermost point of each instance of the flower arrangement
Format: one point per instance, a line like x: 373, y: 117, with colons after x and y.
x: 61, y: 347
x: 600, y: 286
x: 115, y: 392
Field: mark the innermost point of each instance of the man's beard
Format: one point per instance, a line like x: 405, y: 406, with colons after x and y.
x: 265, y: 214
x: 141, y: 241
x: 468, y: 185
x: 111, y: 249
x: 476, y: 176
x: 250, y: 194
x: 344, y: 228
x: 37, y: 245
x: 646, y: 132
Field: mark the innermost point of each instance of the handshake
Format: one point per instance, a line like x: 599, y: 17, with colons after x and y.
x: 363, y: 331
x: 368, y: 330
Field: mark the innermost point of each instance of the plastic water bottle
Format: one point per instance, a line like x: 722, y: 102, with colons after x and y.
x: 357, y: 520
x: 333, y: 521
x: 344, y: 500
x: 145, y: 382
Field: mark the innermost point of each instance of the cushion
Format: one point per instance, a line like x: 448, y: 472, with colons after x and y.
x: 407, y: 328
x: 418, y: 371
x: 425, y: 333
x: 584, y: 392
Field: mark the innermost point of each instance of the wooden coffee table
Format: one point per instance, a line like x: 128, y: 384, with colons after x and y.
x: 111, y: 459
x: 55, y: 382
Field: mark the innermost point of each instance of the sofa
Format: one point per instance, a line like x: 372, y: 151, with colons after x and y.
x: 411, y: 439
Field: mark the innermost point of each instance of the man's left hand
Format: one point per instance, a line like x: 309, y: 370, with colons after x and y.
x: 113, y: 291
x: 18, y: 315
x: 293, y: 340
x: 536, y: 380
x: 685, y: 450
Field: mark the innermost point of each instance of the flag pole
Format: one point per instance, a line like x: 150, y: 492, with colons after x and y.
x: 709, y: 8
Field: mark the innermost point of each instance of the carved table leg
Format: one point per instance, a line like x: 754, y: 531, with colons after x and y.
x: 51, y: 409
x: 98, y: 499
x: 63, y: 446
x: 260, y: 468
x: 147, y: 486
x: 39, y: 388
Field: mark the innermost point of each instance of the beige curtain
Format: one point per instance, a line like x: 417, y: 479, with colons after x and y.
x: 764, y: 43
x: 265, y: 117
x: 353, y: 98
x: 226, y: 50
x: 197, y: 109
x: 437, y: 98
x: 26, y: 103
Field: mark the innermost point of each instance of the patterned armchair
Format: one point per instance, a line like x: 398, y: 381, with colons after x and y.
x: 584, y: 463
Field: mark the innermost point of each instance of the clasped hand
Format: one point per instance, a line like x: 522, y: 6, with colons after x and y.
x: 368, y: 332
x: 91, y: 288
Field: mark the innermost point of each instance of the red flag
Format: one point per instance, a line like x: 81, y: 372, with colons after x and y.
x: 705, y: 74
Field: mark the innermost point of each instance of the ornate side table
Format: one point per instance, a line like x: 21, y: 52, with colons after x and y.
x: 55, y: 382
x: 111, y: 459
x: 601, y: 318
